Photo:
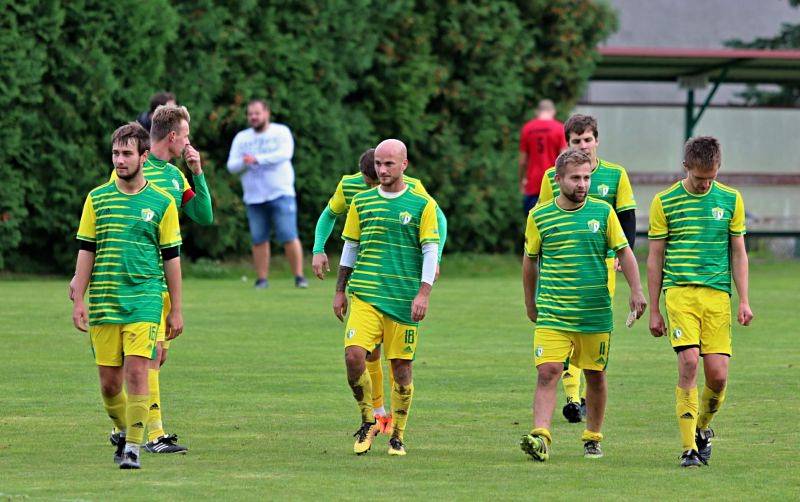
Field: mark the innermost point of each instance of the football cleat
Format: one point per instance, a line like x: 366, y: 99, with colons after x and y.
x: 119, y: 442
x: 165, y: 444
x: 396, y: 447
x: 114, y: 437
x: 300, y: 282
x: 535, y: 446
x: 572, y: 412
x: 364, y: 437
x: 691, y: 458
x: 703, y: 439
x: 130, y: 460
x: 385, y: 424
x: 261, y: 284
x: 591, y: 449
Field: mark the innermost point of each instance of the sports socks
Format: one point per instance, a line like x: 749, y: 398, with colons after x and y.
x: 362, y: 392
x: 591, y: 436
x: 710, y: 403
x: 542, y: 432
x: 686, y: 411
x: 571, y: 379
x: 375, y: 370
x: 115, y: 407
x: 136, y: 416
x: 155, y: 428
x: 401, y: 404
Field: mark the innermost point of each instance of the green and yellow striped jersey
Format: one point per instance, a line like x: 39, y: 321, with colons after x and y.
x: 165, y: 176
x: 390, y: 233
x: 351, y: 184
x: 697, y: 228
x: 573, y: 286
x: 609, y: 183
x: 129, y: 231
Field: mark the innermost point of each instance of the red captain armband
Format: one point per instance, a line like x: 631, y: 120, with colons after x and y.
x: 187, y: 196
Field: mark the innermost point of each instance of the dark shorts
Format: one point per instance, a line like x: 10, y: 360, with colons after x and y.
x: 280, y: 214
x: 528, y: 201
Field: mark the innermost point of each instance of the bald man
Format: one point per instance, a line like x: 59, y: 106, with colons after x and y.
x: 390, y: 266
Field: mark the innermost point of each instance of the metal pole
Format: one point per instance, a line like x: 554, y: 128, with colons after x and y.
x: 689, y: 115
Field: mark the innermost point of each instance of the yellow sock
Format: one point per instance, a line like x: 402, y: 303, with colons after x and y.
x: 686, y: 411
x: 401, y: 405
x: 542, y: 432
x: 710, y: 403
x: 376, y: 377
x: 115, y: 407
x: 155, y: 428
x: 136, y: 416
x: 362, y: 391
x: 591, y: 436
x: 571, y: 379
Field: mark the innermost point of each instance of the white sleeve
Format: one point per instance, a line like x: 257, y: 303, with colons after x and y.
x: 235, y: 163
x: 430, y: 260
x: 284, y: 151
x: 349, y: 254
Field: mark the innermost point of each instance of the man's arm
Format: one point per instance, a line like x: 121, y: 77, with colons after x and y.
x: 627, y: 219
x: 283, y: 152
x: 740, y: 266
x: 172, y: 272
x: 199, y: 207
x: 79, y: 283
x: 346, y: 266
x: 441, y: 222
x: 630, y: 268
x: 655, y: 271
x: 530, y: 277
x: 523, y: 171
x: 322, y: 232
x: 236, y: 164
x: 419, y: 307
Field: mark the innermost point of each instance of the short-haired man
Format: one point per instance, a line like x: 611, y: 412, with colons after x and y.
x: 696, y: 234
x: 568, y: 239
x: 610, y: 183
x: 389, y: 260
x: 540, y: 142
x: 338, y: 205
x: 262, y: 156
x: 156, y: 100
x: 127, y: 228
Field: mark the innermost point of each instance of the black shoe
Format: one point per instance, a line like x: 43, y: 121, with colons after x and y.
x: 572, y: 412
x: 300, y: 282
x: 114, y: 437
x: 591, y: 449
x: 703, y: 439
x: 261, y: 284
x: 165, y: 444
x: 583, y: 408
x: 130, y: 460
x: 691, y: 458
x: 118, y: 440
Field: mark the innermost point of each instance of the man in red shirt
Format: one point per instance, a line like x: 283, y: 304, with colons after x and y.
x: 540, y: 142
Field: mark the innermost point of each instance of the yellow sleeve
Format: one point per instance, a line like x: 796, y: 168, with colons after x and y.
x: 337, y: 203
x: 186, y: 185
x: 533, y: 240
x: 546, y: 190
x: 352, y: 225
x: 615, y: 237
x: 658, y: 221
x: 428, y: 225
x: 625, y: 200
x: 113, y: 176
x: 169, y: 230
x: 420, y: 189
x: 87, y: 227
x: 737, y: 224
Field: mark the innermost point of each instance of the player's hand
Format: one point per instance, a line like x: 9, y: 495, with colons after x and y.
x: 745, y: 314
x: 617, y: 266
x: 340, y: 305
x: 522, y: 183
x: 174, y: 324
x: 419, y: 307
x: 71, y: 289
x: 533, y: 312
x: 637, y: 303
x: 80, y: 316
x: 657, y: 326
x: 249, y: 159
x: 320, y: 265
x: 192, y: 158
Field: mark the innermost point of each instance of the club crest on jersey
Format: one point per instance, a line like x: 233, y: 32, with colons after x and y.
x: 602, y: 190
x: 148, y: 214
x: 539, y: 351
x: 405, y: 217
x: 718, y: 213
x: 593, y: 225
x: 351, y: 333
x: 176, y: 184
x: 677, y: 333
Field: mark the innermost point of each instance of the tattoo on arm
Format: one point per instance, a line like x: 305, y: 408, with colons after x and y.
x: 343, y: 278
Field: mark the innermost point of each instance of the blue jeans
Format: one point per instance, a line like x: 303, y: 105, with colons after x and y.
x: 280, y: 214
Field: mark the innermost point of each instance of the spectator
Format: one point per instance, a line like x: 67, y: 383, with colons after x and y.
x: 156, y: 100
x: 540, y: 142
x: 262, y: 156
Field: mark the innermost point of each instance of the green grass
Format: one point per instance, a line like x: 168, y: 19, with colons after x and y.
x: 256, y: 388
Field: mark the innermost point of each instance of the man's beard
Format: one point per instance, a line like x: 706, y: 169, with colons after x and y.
x: 130, y: 175
x: 575, y: 198
x: 260, y: 127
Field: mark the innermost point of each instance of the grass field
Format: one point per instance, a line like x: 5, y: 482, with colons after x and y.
x: 256, y: 388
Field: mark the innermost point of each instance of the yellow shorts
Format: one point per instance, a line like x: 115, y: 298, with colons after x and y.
x: 162, y: 327
x: 612, y: 277
x: 111, y: 342
x: 368, y: 327
x: 588, y: 351
x: 699, y: 316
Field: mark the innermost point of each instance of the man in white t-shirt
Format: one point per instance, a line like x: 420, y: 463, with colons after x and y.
x: 262, y: 156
